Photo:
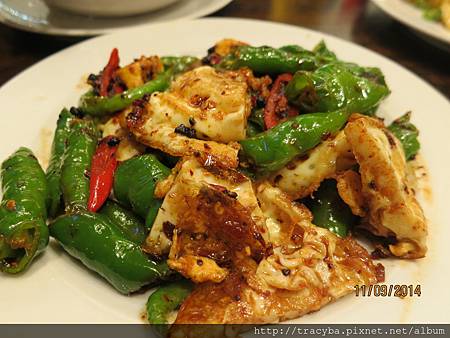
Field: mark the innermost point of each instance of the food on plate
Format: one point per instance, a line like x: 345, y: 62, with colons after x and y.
x: 80, y: 147
x: 237, y: 182
x: 23, y: 231
x: 134, y: 184
x: 300, y: 274
x: 435, y: 10
x: 103, y: 247
x: 392, y: 206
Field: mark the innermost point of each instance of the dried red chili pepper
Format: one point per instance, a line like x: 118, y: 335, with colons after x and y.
x: 108, y: 73
x: 103, y: 166
x: 277, y: 108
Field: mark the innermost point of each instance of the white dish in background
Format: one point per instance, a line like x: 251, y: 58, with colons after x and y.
x: 412, y: 16
x: 110, y: 8
x: 57, y: 289
x: 36, y: 16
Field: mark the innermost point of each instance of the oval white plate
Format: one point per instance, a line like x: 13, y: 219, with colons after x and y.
x: 58, y: 289
x: 36, y: 16
x: 412, y: 17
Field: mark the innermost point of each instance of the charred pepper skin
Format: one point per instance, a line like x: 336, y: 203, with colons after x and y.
x: 269, y: 60
x: 80, y: 148
x: 134, y: 185
x: 179, y: 64
x: 94, y: 240
x: 273, y: 149
x: 53, y: 173
x: 338, y: 85
x: 166, y: 299
x: 103, y: 105
x: 286, y: 59
x: 23, y: 211
x: 330, y: 211
x: 131, y: 227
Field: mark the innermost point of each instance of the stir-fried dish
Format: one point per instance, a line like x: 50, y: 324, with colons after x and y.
x: 435, y: 10
x: 238, y: 182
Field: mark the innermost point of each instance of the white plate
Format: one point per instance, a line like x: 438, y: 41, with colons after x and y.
x: 36, y: 16
x: 57, y: 289
x: 412, y: 16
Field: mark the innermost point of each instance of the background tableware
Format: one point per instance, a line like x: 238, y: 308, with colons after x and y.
x: 109, y: 7
x: 37, y: 16
x: 412, y: 17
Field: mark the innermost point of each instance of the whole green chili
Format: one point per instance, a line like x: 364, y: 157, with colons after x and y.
x: 274, y: 148
x: 101, y: 246
x: 23, y: 211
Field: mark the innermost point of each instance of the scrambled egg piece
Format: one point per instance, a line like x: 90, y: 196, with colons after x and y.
x: 350, y: 190
x: 392, y: 206
x: 203, y: 110
x: 255, y: 255
x: 305, y: 268
x: 303, y: 176
x: 128, y: 146
x: 140, y: 71
x: 192, y: 181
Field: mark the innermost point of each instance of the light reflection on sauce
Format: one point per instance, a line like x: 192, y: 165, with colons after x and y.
x: 422, y: 179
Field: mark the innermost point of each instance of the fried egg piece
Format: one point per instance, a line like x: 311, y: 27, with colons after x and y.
x: 193, y: 175
x: 303, y: 176
x: 204, y: 111
x: 393, y: 209
x: 307, y: 268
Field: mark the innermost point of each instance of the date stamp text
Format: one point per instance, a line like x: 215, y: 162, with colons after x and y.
x: 392, y: 290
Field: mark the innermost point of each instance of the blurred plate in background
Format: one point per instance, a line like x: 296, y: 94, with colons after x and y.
x: 36, y: 16
x: 412, y: 16
x: 109, y: 8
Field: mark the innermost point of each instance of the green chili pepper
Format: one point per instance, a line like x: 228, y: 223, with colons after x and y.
x: 273, y: 149
x: 268, y: 60
x: 134, y: 185
x: 23, y: 232
x: 433, y: 14
x: 130, y: 225
x: 80, y: 148
x: 166, y: 159
x: 255, y: 122
x: 100, y: 245
x: 320, y: 52
x: 179, y: 64
x: 295, y: 49
x: 408, y: 135
x: 326, y: 55
x: 429, y: 11
x: 336, y: 86
x: 286, y: 59
x: 253, y: 129
x: 329, y: 211
x: 102, y: 105
x: 53, y: 173
x: 166, y: 299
